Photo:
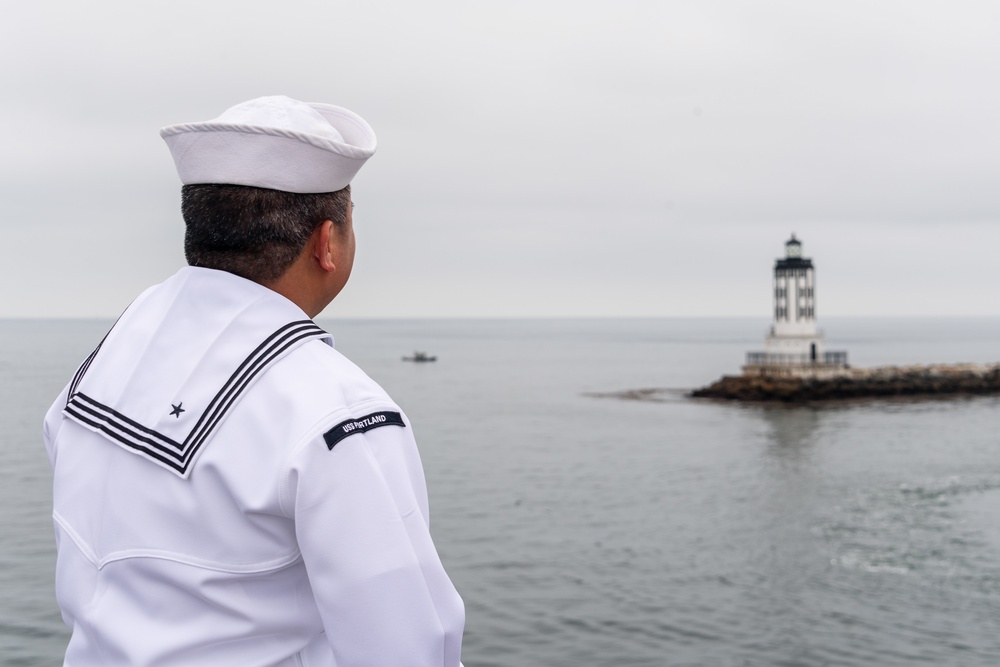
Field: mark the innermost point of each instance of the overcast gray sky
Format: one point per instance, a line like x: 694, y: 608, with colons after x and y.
x: 560, y: 158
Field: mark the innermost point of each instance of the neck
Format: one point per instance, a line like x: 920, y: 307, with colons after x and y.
x: 301, y: 288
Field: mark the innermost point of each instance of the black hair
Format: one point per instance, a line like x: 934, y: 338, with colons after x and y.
x: 255, y: 233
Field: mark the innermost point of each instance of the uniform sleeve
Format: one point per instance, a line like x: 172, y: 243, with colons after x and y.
x: 360, y: 511
x: 53, y: 420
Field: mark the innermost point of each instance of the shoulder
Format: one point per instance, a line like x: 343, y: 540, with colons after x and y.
x: 283, y: 417
x: 326, y: 384
x: 349, y: 429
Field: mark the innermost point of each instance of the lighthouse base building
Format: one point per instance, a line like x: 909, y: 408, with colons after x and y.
x: 794, y: 344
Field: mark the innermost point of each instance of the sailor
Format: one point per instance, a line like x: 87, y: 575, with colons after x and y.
x: 228, y: 488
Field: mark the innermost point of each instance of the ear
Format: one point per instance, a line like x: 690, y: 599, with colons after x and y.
x: 323, y: 243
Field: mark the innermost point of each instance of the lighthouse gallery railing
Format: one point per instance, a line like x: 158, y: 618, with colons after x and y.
x: 770, y: 359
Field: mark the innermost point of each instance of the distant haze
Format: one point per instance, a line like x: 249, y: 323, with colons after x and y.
x: 535, y: 158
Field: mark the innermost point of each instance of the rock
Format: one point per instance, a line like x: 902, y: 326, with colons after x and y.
x: 936, y: 380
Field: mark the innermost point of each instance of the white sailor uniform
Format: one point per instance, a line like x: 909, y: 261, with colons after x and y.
x: 230, y: 490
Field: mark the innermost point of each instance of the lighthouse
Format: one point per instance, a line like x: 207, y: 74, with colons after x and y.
x: 794, y: 340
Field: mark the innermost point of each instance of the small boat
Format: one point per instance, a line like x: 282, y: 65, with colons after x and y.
x: 419, y: 357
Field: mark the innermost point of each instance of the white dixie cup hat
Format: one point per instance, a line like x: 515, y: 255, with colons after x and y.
x: 276, y: 143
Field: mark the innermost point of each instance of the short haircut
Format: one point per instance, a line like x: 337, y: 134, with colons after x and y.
x: 254, y: 233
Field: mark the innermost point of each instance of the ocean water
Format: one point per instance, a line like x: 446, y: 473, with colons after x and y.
x: 586, y: 530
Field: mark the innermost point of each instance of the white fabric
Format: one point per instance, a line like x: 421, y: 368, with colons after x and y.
x: 273, y: 142
x: 275, y: 549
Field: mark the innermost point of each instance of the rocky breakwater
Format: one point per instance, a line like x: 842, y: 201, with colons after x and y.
x: 802, y: 384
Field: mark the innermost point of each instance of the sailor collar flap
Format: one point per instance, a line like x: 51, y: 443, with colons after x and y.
x: 168, y: 373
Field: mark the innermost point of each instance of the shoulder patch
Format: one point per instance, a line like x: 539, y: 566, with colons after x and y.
x: 361, y: 425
